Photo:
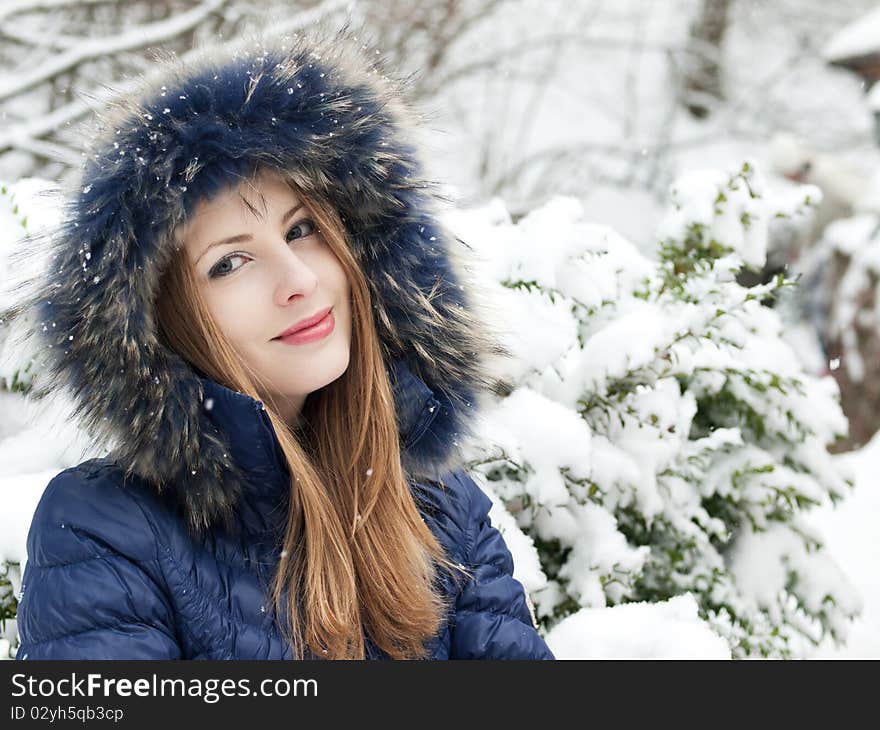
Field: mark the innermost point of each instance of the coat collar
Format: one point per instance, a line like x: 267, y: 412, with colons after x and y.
x: 254, y: 447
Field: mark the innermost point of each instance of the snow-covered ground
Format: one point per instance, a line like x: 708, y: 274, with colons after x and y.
x: 851, y: 536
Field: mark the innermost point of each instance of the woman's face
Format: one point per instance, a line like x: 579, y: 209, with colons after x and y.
x: 261, y: 276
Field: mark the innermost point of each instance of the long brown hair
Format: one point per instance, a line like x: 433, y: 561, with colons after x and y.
x: 357, y: 557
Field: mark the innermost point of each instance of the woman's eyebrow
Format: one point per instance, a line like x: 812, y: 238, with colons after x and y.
x: 290, y: 213
x: 241, y: 237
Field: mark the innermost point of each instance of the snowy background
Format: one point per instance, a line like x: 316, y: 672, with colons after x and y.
x: 581, y: 142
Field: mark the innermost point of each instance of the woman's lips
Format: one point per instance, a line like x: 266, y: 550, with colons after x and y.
x: 317, y: 331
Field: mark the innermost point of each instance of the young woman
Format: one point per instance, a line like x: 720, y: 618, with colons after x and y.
x: 254, y: 307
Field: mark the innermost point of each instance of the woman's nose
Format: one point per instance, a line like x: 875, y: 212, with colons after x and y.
x: 294, y: 276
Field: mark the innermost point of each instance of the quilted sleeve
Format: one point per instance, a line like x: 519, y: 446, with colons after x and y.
x: 492, y: 617
x: 90, y: 588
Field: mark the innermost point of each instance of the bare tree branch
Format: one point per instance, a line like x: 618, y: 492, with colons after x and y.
x: 702, y: 78
x: 52, y: 41
x: 27, y: 135
x: 303, y: 18
x: 50, y: 151
x: 139, y: 37
x: 549, y: 41
x: 18, y: 7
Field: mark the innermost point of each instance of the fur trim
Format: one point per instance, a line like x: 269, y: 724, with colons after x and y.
x: 318, y: 108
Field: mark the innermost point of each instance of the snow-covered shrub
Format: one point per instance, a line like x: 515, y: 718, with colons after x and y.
x: 10, y: 583
x: 660, y: 438
x: 34, y: 442
x: 13, y: 377
x: 28, y: 209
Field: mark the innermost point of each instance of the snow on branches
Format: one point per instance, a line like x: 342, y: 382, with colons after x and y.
x: 662, y: 438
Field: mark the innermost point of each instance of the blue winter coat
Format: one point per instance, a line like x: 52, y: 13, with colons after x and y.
x: 112, y: 573
x: 112, y: 570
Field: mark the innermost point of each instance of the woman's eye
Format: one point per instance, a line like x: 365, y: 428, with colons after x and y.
x: 301, y: 230
x: 221, y: 268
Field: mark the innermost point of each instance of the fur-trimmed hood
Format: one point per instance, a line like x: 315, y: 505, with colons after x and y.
x: 323, y: 111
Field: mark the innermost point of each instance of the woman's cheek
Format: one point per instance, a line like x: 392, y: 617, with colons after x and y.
x: 233, y: 310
